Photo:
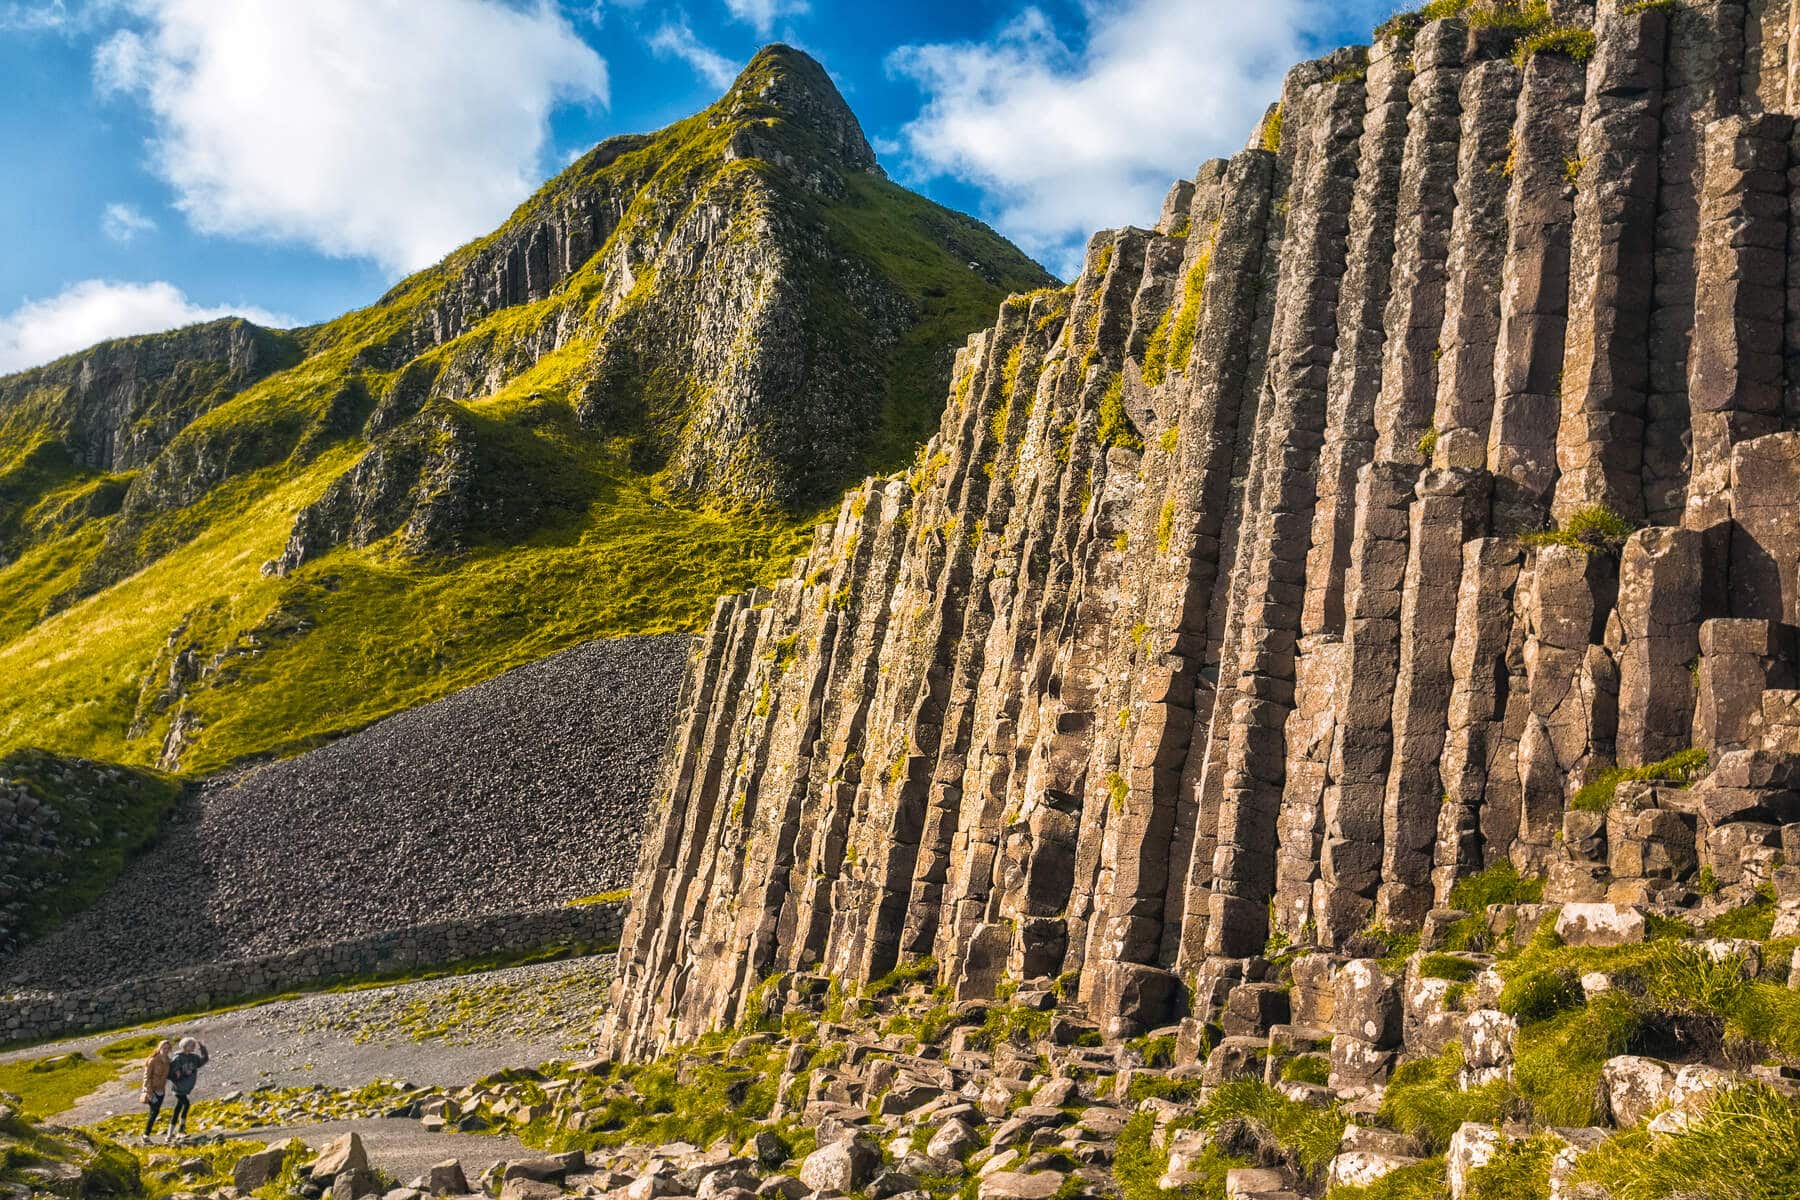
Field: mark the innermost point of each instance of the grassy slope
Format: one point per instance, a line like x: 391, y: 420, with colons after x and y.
x: 359, y: 634
x: 111, y: 814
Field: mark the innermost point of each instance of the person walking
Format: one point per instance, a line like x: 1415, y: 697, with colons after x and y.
x: 156, y: 1078
x: 184, y: 1073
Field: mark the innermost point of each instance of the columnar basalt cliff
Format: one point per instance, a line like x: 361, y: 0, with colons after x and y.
x: 1433, y: 461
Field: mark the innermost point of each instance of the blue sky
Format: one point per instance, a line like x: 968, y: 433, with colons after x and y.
x: 171, y: 160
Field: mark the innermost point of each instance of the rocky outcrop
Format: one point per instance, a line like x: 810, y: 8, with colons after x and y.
x: 1359, y: 528
x: 719, y: 291
x: 116, y: 406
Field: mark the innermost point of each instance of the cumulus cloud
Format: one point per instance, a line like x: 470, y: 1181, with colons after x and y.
x: 676, y: 40
x: 93, y: 310
x: 1067, y: 137
x: 364, y: 128
x: 123, y: 223
x: 762, y: 14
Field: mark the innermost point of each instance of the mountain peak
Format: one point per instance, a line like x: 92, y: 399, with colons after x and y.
x: 790, y: 86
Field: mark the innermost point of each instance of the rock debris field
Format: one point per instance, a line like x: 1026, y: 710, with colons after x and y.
x: 517, y: 794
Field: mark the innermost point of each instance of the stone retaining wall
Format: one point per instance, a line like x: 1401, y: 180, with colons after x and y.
x: 29, y: 1018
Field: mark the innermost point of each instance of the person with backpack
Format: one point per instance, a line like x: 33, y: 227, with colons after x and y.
x: 156, y: 1078
x: 184, y: 1072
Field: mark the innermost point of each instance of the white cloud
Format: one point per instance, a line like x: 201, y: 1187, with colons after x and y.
x: 365, y: 128
x: 1066, y: 139
x: 123, y: 223
x: 34, y: 18
x: 93, y: 310
x: 676, y: 40
x: 762, y: 14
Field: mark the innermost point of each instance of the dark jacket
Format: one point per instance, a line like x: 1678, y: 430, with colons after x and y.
x: 184, y: 1071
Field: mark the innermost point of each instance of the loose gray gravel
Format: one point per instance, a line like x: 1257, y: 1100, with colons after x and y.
x: 430, y: 1033
x: 517, y: 794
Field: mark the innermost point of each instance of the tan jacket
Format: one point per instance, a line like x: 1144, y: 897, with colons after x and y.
x: 156, y: 1074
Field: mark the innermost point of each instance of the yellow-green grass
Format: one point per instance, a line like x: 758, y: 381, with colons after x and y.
x: 385, y: 633
x: 51, y: 1086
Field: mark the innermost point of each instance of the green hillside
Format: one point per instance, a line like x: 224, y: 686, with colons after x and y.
x: 628, y: 400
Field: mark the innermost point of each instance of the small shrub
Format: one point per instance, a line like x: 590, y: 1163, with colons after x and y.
x: 1597, y: 794
x: 1428, y: 442
x: 1499, y: 884
x: 1448, y: 966
x: 1595, y: 529
x: 1118, y: 789
x: 1538, y: 995
x: 1577, y: 44
x: 1519, y: 1170
x: 1755, y: 920
x: 1422, y: 1099
x: 1172, y: 341
x: 1115, y: 428
x: 1271, y: 139
x: 1156, y: 1051
x: 1307, y: 1068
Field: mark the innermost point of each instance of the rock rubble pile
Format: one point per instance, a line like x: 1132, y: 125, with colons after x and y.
x: 521, y: 793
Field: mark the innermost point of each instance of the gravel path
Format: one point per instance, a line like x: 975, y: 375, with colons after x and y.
x: 431, y: 1033
x: 517, y: 794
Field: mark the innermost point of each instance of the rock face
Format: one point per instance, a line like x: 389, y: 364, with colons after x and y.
x: 1282, y: 569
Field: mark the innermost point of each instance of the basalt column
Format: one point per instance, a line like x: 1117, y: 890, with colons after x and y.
x: 1606, y: 366
x: 1255, y: 704
x: 1534, y: 302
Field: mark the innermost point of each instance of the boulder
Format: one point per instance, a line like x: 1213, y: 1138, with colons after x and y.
x: 1135, y: 997
x: 953, y: 1139
x: 1472, y: 1145
x: 1368, y: 1004
x: 353, y: 1183
x: 1242, y: 1183
x: 1600, y: 925
x: 782, y: 1187
x: 1374, y: 1139
x: 1360, y: 1168
x: 1358, y: 1066
x: 1488, y: 1039
x: 1697, y: 1085
x: 544, y: 1170
x: 520, y: 1187
x: 889, y: 1184
x: 340, y: 1155
x: 1252, y: 1008
x: 844, y: 1166
x: 447, y: 1179
x: 1020, y: 1185
x: 715, y: 1185
x: 653, y: 1184
x: 1632, y: 1087
x: 254, y: 1170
